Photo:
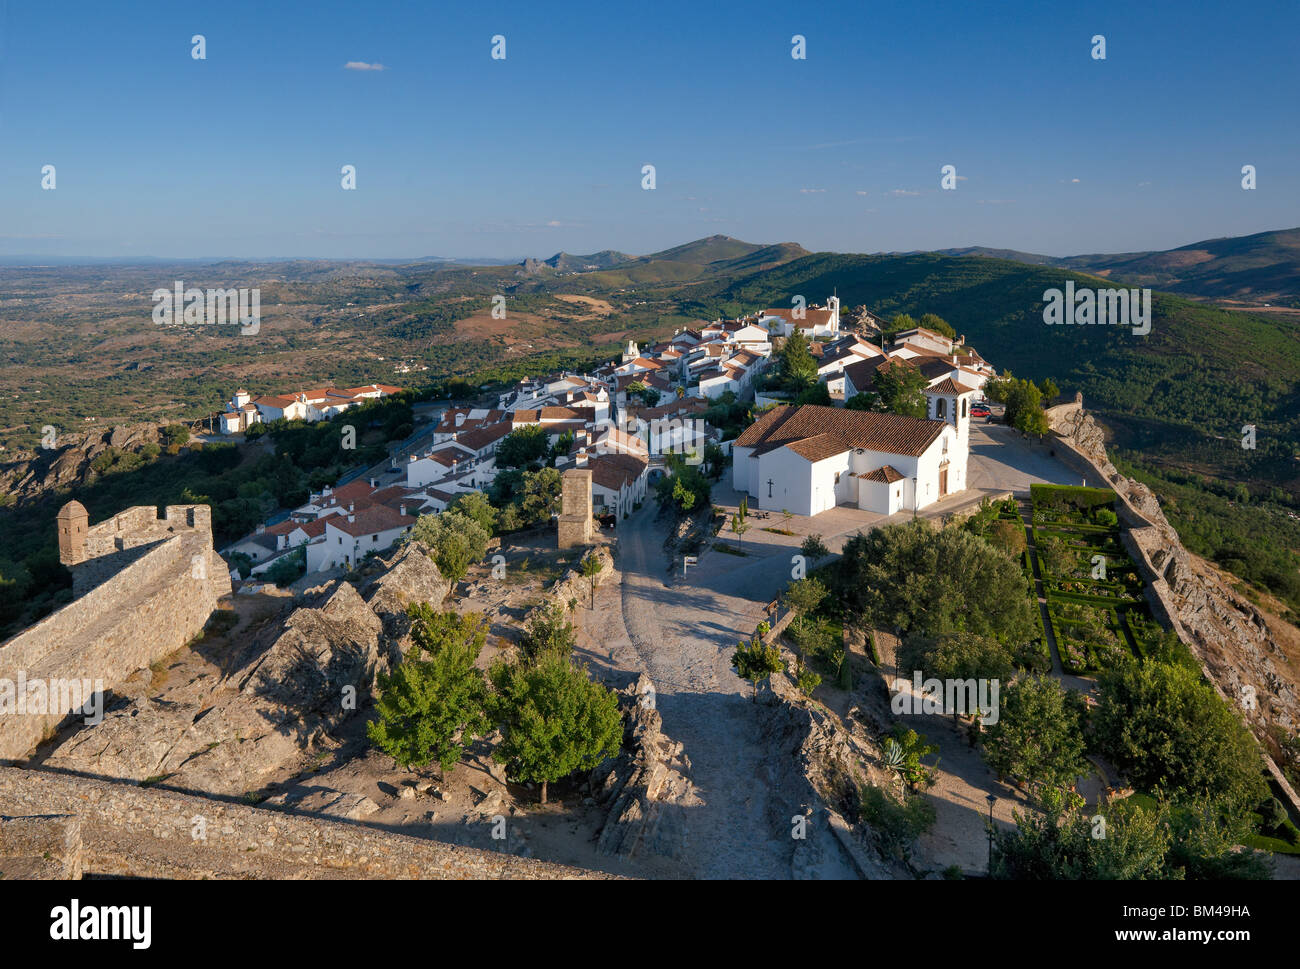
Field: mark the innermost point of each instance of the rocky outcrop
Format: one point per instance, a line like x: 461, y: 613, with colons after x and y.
x: 821, y: 758
x: 1229, y: 635
x: 406, y: 577
x: 30, y: 475
x: 286, y: 690
x: 647, y: 786
x: 574, y: 585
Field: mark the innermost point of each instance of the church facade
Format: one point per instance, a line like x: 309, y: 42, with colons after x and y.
x: 809, y: 459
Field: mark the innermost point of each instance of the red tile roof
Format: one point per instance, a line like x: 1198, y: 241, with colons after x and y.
x: 890, y: 433
x: 370, y: 521
x: 885, y: 474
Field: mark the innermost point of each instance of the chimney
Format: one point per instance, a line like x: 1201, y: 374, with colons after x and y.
x: 326, y: 491
x: 580, y: 459
x: 374, y: 482
x: 401, y: 509
x: 460, y: 419
x: 351, y: 518
x: 260, y: 529
x: 350, y: 507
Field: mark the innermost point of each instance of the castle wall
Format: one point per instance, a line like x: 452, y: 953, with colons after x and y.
x: 131, y: 831
x: 134, y: 617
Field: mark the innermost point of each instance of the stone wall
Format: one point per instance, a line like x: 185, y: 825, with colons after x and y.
x: 1228, y: 636
x: 144, y: 612
x: 130, y: 831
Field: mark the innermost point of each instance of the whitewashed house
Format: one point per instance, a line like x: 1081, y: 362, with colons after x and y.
x: 809, y: 459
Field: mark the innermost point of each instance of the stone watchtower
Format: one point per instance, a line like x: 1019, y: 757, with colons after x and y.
x: 73, y: 524
x: 575, y: 508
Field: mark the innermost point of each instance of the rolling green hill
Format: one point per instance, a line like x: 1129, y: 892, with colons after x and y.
x: 1259, y: 268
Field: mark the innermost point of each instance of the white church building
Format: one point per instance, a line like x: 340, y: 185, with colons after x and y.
x: 809, y: 459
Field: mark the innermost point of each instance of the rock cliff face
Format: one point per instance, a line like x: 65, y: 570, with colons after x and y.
x: 286, y: 690
x: 646, y: 786
x: 821, y: 758
x: 30, y: 475
x: 1229, y: 634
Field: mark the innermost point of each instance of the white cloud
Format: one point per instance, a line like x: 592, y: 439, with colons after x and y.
x: 810, y: 191
x: 903, y: 193
x: 362, y: 66
x: 860, y: 192
x: 996, y: 202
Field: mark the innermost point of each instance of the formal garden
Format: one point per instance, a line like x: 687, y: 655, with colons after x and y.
x: 1095, y: 601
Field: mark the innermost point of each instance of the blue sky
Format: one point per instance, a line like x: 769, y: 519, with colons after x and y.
x: 239, y: 155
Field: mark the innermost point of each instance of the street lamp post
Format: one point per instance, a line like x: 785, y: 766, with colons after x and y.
x: 992, y: 799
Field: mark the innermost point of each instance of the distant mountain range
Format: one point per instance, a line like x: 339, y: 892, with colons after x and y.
x: 1259, y: 268
x: 712, y: 256
x: 1255, y: 269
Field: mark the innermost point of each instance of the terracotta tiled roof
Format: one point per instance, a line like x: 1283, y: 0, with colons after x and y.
x: 369, y: 521
x: 812, y: 317
x: 615, y: 471
x: 481, y: 437
x: 933, y: 367
x: 886, y: 474
x: 950, y: 386
x: 890, y: 433
x: 818, y: 447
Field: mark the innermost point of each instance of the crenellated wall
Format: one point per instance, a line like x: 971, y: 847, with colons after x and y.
x: 125, y: 620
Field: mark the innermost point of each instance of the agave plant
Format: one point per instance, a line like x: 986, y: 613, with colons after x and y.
x: 895, y: 761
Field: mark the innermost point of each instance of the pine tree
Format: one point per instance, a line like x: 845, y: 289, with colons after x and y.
x: 429, y: 708
x: 555, y: 720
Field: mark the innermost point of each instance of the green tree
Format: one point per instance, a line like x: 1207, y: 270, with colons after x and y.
x: 1038, y: 737
x: 457, y: 541
x: 901, y: 388
x: 1057, y: 556
x: 475, y: 504
x: 590, y: 569
x: 548, y: 631
x: 539, y: 497
x: 930, y: 581
x: 937, y: 324
x: 867, y: 401
x: 739, y: 526
x: 814, y: 548
x: 682, y: 486
x: 796, y: 367
x: 805, y: 595
x: 430, y: 708
x: 555, y: 720
x: 1009, y: 537
x: 1168, y: 731
x: 1123, y: 843
x: 897, y: 824
x: 756, y: 661
x: 522, y: 446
